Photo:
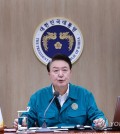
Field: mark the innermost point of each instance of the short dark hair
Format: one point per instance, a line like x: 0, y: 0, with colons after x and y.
x: 59, y: 57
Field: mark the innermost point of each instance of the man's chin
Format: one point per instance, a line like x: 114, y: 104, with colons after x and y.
x: 62, y: 85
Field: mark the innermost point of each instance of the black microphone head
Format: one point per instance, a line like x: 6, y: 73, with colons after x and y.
x: 56, y: 93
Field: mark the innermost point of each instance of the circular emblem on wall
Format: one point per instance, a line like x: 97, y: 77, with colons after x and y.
x: 57, y: 35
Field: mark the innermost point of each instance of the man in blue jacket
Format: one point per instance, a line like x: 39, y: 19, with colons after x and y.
x: 74, y: 105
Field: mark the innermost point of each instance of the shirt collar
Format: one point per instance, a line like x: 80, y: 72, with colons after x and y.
x: 66, y: 93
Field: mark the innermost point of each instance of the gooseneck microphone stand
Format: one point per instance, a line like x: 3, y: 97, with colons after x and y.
x: 44, y: 125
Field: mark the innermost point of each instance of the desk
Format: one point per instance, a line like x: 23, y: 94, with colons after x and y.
x: 70, y: 132
x: 8, y: 131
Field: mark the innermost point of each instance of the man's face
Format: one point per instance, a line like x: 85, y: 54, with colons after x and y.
x: 60, y: 73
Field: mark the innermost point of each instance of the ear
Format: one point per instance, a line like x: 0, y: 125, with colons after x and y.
x: 49, y: 73
x: 71, y: 71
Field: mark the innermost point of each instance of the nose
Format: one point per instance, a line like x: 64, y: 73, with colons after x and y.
x: 60, y: 74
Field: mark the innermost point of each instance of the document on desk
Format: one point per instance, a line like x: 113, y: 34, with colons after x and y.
x: 59, y: 129
x: 78, y: 127
x: 50, y: 129
x: 9, y: 130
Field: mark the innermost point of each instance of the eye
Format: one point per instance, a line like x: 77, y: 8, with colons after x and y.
x: 55, y: 71
x: 65, y: 70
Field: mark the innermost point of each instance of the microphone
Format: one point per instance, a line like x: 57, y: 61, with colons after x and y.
x: 44, y: 125
x: 56, y: 94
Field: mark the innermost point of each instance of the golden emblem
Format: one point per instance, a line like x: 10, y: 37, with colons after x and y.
x: 68, y: 37
x: 49, y: 36
x: 58, y: 45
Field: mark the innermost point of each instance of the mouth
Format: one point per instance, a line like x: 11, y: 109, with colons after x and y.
x: 61, y: 80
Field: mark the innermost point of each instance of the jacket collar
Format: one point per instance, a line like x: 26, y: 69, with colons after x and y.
x: 50, y: 93
x: 72, y: 92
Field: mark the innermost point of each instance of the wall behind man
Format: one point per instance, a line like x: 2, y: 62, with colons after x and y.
x: 98, y: 68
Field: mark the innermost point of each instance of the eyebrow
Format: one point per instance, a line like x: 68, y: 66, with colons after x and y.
x: 60, y: 67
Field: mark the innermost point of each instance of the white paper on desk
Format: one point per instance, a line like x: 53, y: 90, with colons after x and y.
x: 61, y: 129
x: 34, y: 128
x: 87, y: 126
x: 67, y: 127
x: 10, y: 130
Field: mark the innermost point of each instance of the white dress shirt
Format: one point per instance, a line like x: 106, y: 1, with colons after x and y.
x: 62, y: 98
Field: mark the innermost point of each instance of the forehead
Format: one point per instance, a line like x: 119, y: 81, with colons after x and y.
x: 59, y: 64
